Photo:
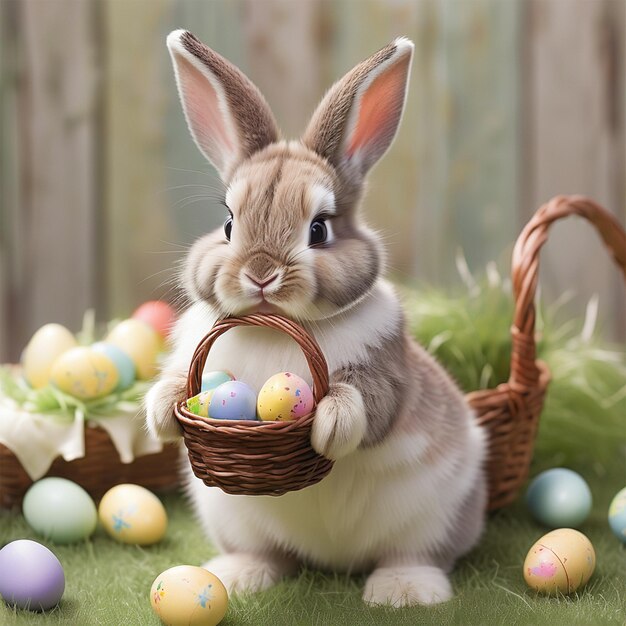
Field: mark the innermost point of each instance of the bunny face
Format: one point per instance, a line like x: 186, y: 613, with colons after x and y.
x: 292, y: 241
x: 287, y: 245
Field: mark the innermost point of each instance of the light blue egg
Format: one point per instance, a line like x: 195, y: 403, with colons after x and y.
x: 211, y: 380
x: 617, y: 515
x: 559, y: 498
x: 123, y: 363
x: 233, y: 400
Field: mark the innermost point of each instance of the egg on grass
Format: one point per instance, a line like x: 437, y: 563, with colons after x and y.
x: 44, y: 348
x: 60, y: 510
x: 617, y: 515
x: 284, y: 397
x: 561, y: 561
x: 31, y: 576
x: 559, y: 497
x: 188, y: 596
x: 132, y: 514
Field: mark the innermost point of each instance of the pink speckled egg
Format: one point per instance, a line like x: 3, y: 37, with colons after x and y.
x: 563, y: 560
x: 284, y: 397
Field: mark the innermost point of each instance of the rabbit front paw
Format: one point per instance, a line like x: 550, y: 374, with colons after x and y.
x: 160, y: 401
x: 340, y: 422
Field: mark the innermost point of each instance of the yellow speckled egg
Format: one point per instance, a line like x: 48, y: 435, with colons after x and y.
x: 44, y: 348
x: 132, y: 514
x: 189, y: 596
x: 84, y: 373
x: 142, y: 344
x: 561, y: 561
x: 284, y: 397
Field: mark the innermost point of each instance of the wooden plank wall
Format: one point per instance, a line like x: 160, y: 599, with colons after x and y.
x: 574, y: 140
x: 102, y: 189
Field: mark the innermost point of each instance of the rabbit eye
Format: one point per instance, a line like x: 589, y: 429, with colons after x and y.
x: 228, y: 227
x: 318, y: 232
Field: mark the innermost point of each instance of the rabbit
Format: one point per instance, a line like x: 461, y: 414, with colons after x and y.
x: 407, y: 493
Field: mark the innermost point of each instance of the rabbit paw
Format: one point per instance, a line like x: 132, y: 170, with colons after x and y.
x: 340, y: 422
x: 160, y: 400
x: 248, y: 573
x: 407, y: 586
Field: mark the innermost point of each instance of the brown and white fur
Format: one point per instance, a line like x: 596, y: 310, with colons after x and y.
x: 406, y: 496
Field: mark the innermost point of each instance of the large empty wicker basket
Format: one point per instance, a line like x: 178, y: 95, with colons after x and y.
x: 255, y: 458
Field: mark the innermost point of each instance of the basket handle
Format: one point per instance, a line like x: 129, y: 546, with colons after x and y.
x: 309, y: 346
x: 525, y: 271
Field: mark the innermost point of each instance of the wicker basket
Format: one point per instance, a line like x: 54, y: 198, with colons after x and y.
x: 247, y: 457
x: 98, y: 471
x: 254, y: 457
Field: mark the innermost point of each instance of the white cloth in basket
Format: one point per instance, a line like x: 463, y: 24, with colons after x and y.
x: 36, y: 440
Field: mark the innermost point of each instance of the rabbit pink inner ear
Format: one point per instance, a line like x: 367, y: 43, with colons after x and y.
x: 205, y: 115
x: 378, y: 115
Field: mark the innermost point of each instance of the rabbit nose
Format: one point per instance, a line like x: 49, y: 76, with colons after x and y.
x: 264, y: 283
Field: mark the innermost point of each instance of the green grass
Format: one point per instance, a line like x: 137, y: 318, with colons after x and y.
x: 108, y: 583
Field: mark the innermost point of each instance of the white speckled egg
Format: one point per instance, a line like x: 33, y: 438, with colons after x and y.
x: 141, y: 342
x: 44, y: 348
x: 561, y: 561
x: 189, y: 596
x: 284, y: 397
x: 84, y: 373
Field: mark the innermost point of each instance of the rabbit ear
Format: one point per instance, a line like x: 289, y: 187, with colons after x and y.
x: 228, y: 117
x: 358, y: 118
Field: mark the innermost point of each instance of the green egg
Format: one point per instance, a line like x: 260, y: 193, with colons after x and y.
x: 60, y: 510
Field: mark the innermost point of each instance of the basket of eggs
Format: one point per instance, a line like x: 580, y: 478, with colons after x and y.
x: 263, y: 456
x: 252, y: 445
x: 73, y: 408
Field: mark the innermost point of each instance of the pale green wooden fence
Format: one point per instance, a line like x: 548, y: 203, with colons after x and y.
x: 101, y: 188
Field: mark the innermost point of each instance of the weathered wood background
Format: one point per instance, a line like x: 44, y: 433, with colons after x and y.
x: 101, y: 188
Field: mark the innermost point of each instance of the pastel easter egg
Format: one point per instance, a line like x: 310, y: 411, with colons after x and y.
x: 158, y: 314
x: 84, y: 373
x: 211, y: 380
x: 617, y: 515
x: 284, y: 397
x: 60, y: 510
x: 123, y: 363
x: 31, y: 576
x: 132, y: 514
x: 142, y: 344
x: 233, y: 400
x: 189, y: 596
x: 559, y: 498
x: 199, y: 404
x: 561, y: 561
x: 44, y: 348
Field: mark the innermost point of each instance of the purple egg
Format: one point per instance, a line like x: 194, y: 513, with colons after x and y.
x: 31, y: 576
x: 233, y: 400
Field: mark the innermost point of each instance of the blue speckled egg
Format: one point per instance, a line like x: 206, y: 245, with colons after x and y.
x: 123, y: 363
x: 617, y: 515
x: 559, y: 498
x: 233, y: 400
x: 211, y: 380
